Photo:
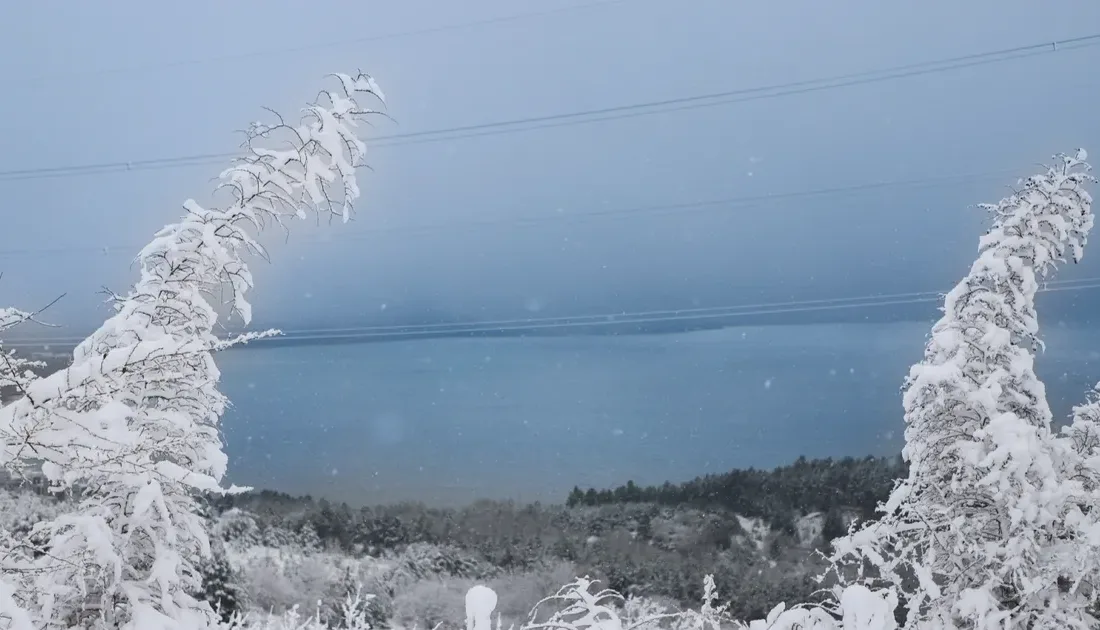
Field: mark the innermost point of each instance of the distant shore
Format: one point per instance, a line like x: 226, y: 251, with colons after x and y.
x: 56, y: 352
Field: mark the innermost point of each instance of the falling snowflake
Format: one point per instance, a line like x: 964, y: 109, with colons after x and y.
x: 768, y: 384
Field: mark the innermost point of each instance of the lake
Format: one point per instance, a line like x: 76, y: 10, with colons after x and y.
x: 447, y: 421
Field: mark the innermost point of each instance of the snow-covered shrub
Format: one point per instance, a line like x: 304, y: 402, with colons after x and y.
x: 237, y: 527
x: 438, y: 599
x: 421, y: 560
x: 279, y: 578
x: 431, y: 602
x: 520, y: 591
x: 581, y: 605
x: 859, y: 608
x: 352, y: 616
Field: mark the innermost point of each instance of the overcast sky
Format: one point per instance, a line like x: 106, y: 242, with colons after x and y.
x: 124, y: 81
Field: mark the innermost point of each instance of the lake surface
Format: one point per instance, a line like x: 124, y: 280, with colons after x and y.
x: 449, y: 420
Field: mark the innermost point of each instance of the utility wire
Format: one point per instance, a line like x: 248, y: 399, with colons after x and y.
x: 624, y: 318
x: 783, y: 89
x: 693, y: 317
x: 689, y: 207
x: 254, y: 54
x: 685, y: 314
x: 604, y: 114
x: 777, y: 93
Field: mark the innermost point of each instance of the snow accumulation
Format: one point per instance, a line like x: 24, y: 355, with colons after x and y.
x: 481, y: 601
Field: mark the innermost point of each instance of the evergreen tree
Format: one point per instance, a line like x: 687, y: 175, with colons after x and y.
x: 220, y: 588
x: 576, y: 497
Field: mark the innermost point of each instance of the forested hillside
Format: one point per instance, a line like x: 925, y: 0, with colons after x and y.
x: 779, y: 496
x: 756, y: 531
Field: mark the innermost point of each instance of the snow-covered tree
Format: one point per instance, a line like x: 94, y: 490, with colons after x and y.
x: 133, y: 421
x: 983, y: 532
x: 16, y: 371
x: 1080, y: 442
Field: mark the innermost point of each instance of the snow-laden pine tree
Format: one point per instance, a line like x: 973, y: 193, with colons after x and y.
x: 981, y: 533
x: 133, y: 422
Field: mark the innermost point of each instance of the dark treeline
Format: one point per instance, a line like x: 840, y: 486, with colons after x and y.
x: 822, y: 485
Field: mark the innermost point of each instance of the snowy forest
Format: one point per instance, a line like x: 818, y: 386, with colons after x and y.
x: 117, y: 515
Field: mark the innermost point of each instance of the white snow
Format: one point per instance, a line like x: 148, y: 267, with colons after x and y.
x: 481, y: 601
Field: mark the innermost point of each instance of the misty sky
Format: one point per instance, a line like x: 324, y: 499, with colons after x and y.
x: 129, y: 81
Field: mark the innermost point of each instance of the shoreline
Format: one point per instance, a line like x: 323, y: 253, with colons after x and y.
x: 58, y: 351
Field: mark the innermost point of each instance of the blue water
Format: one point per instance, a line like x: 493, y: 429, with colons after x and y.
x: 447, y: 421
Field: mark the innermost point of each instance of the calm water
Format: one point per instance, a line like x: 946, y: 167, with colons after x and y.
x: 446, y: 421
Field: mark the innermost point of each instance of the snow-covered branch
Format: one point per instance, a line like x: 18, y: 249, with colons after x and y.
x: 133, y: 422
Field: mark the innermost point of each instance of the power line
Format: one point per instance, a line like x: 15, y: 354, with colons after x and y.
x: 689, y: 207
x: 68, y: 74
x: 678, y: 315
x: 625, y: 318
x: 700, y: 105
x: 604, y: 114
x: 788, y: 88
x: 692, y: 317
